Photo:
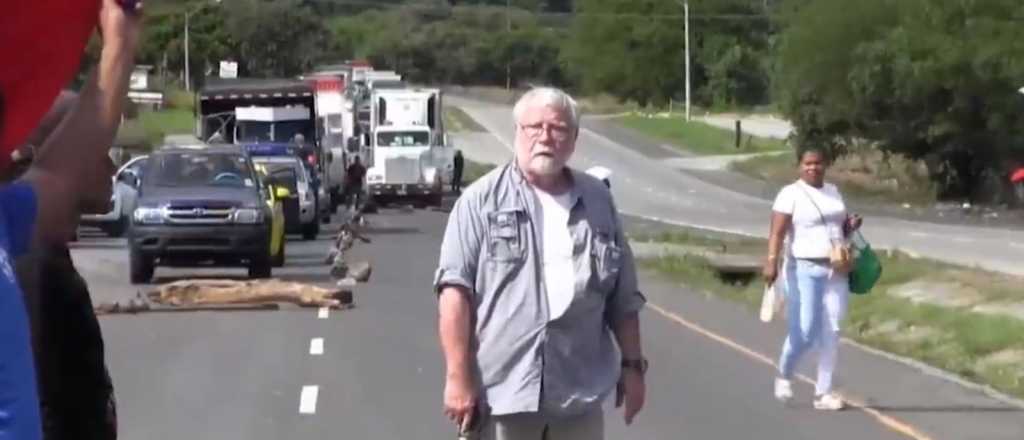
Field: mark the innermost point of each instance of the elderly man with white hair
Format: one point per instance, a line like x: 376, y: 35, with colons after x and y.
x: 538, y: 297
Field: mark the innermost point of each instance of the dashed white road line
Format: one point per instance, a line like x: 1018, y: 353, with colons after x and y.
x: 323, y: 313
x: 307, y: 400
x: 316, y: 346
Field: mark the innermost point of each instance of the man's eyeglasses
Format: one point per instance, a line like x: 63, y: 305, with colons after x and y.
x: 557, y: 132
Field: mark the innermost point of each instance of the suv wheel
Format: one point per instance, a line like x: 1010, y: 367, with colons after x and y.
x: 310, y: 230
x: 259, y: 266
x: 116, y: 229
x: 141, y: 267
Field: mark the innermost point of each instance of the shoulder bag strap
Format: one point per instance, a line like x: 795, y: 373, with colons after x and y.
x: 820, y: 214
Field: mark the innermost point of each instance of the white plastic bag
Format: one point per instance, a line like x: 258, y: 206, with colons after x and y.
x: 771, y: 302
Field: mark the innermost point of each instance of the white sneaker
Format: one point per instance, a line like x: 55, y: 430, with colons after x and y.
x: 783, y: 389
x: 829, y: 402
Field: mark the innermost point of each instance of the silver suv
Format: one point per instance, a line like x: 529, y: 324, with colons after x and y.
x: 125, y: 193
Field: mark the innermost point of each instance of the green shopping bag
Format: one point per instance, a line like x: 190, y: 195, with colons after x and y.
x: 867, y: 268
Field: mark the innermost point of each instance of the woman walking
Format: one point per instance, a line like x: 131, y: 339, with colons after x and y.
x: 809, y: 221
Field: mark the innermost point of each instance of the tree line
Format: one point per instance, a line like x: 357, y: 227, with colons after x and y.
x: 933, y: 80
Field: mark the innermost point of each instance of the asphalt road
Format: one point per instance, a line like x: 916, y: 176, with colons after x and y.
x: 646, y: 186
x: 241, y: 375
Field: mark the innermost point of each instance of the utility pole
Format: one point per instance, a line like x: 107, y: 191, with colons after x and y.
x: 508, y: 31
x: 686, y: 26
x: 188, y: 80
x: 188, y: 15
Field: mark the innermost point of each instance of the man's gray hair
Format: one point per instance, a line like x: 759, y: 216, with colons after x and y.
x: 548, y: 97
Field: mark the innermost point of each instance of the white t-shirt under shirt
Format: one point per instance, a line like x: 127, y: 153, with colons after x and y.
x: 556, y: 246
x: 808, y: 236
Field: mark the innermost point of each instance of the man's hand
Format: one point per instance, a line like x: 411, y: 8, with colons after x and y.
x: 460, y: 398
x: 632, y: 391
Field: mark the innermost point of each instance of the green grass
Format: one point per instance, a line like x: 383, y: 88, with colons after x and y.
x: 697, y: 237
x: 865, y: 177
x: 456, y: 120
x: 697, y: 137
x: 156, y: 125
x: 474, y: 170
x: 954, y: 339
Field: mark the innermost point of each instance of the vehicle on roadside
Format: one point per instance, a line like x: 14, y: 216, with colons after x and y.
x: 286, y: 170
x: 115, y: 222
x: 200, y: 207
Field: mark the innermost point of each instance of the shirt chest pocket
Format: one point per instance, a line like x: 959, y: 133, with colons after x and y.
x: 606, y: 256
x: 505, y: 241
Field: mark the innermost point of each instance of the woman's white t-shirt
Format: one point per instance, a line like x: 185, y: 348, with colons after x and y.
x: 809, y: 237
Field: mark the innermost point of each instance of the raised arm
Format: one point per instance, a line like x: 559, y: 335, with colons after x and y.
x: 76, y: 150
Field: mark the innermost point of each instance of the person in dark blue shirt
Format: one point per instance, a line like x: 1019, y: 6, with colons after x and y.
x: 42, y: 207
x: 19, y: 404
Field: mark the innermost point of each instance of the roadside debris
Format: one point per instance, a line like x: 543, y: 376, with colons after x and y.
x: 209, y: 295
x: 199, y: 292
x: 340, y: 268
x: 265, y: 294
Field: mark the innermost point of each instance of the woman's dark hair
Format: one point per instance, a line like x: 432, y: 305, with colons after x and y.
x: 821, y: 151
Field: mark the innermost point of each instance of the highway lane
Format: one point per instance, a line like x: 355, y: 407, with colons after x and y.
x: 241, y: 375
x: 648, y: 187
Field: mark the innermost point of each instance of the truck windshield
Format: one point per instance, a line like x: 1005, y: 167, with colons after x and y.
x: 198, y: 169
x: 280, y: 131
x: 404, y: 139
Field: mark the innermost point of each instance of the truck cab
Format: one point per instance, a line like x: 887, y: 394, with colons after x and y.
x: 410, y: 158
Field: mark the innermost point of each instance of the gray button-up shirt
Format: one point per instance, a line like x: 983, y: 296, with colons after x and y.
x: 527, y: 362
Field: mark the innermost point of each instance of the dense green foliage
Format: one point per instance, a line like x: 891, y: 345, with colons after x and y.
x: 934, y: 80
x: 633, y: 49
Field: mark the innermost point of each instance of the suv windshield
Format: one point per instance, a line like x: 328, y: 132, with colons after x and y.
x: 198, y: 169
x: 403, y: 139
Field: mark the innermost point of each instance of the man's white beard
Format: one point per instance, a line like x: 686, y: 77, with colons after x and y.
x: 546, y: 165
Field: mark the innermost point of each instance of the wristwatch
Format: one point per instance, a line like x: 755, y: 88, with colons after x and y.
x: 640, y: 365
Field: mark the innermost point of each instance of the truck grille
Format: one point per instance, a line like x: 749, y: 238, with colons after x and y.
x: 199, y: 215
x: 402, y: 170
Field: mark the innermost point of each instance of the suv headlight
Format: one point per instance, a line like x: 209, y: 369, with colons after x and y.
x: 248, y: 216
x: 148, y: 216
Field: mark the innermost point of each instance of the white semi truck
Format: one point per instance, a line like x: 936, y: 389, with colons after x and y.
x: 410, y: 157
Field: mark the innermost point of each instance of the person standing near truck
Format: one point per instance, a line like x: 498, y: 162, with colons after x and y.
x: 355, y: 174
x: 458, y: 164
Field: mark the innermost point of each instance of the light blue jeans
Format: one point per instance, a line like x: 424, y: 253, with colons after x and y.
x: 815, y: 305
